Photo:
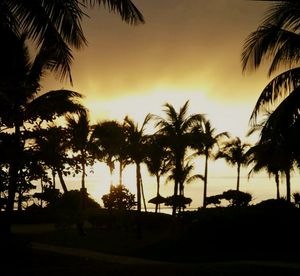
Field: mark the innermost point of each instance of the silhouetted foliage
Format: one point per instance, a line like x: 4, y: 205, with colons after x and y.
x: 296, y: 197
x: 237, y: 198
x: 49, y: 195
x: 119, y: 198
x: 178, y: 201
x: 215, y: 200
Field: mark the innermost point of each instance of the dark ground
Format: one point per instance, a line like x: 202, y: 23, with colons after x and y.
x: 251, y: 241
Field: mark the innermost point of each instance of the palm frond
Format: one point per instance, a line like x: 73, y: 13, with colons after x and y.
x: 279, y: 87
x: 54, y: 103
x: 269, y: 41
x: 127, y: 10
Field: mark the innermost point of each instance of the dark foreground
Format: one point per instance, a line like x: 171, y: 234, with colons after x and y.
x: 27, y: 261
x: 252, y: 241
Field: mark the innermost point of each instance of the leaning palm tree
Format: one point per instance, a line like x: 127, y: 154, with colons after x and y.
x: 205, y: 140
x: 276, y: 40
x: 136, y: 149
x: 175, y: 130
x: 234, y: 153
x: 56, y: 25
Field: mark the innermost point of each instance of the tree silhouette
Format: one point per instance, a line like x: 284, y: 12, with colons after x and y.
x: 56, y: 25
x: 234, y: 153
x: 183, y: 176
x: 21, y: 104
x: 279, y: 137
x: 52, y: 151
x: 136, y: 150
x: 109, y: 136
x: 79, y: 138
x: 176, y: 132
x: 157, y: 163
x: 276, y: 40
x: 204, y: 141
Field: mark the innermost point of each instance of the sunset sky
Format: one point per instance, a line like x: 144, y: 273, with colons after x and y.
x: 187, y: 50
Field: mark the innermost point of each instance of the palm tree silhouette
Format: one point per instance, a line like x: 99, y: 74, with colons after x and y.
x: 136, y: 150
x: 21, y: 104
x: 234, y: 153
x: 176, y: 132
x: 276, y: 40
x: 263, y: 156
x: 110, y: 138
x: 205, y: 140
x: 52, y: 151
x: 278, y: 136
x: 79, y: 138
x: 56, y: 25
x: 157, y: 163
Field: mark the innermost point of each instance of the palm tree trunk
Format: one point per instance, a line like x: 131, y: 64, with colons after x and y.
x: 205, y: 180
x: 121, y: 172
x: 53, y: 179
x: 138, y: 187
x: 13, y: 177
x: 238, y: 177
x: 277, y: 185
x: 176, y: 184
x: 288, y: 185
x: 62, y: 181
x: 157, y: 190
x: 111, y: 171
x: 142, y: 192
x: 83, y: 170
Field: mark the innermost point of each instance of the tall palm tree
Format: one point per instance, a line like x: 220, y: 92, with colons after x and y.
x: 205, y: 140
x: 136, y: 149
x: 276, y: 40
x: 56, y: 25
x: 263, y: 156
x: 157, y: 161
x: 176, y: 132
x: 234, y: 153
x: 279, y: 139
x: 79, y: 135
x: 110, y: 138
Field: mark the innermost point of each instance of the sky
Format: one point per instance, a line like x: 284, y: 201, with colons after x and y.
x: 186, y: 50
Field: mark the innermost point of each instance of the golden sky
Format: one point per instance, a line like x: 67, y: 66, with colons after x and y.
x: 187, y: 50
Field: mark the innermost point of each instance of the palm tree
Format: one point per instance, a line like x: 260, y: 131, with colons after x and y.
x: 136, y: 150
x: 110, y: 138
x: 21, y: 104
x: 56, y: 25
x: 175, y: 130
x: 279, y: 140
x: 79, y: 138
x: 157, y: 162
x: 52, y: 151
x: 234, y: 153
x: 264, y: 156
x: 276, y: 40
x: 184, y: 176
x: 205, y: 140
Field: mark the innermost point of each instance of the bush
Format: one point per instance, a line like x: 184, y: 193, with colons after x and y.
x: 119, y: 198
